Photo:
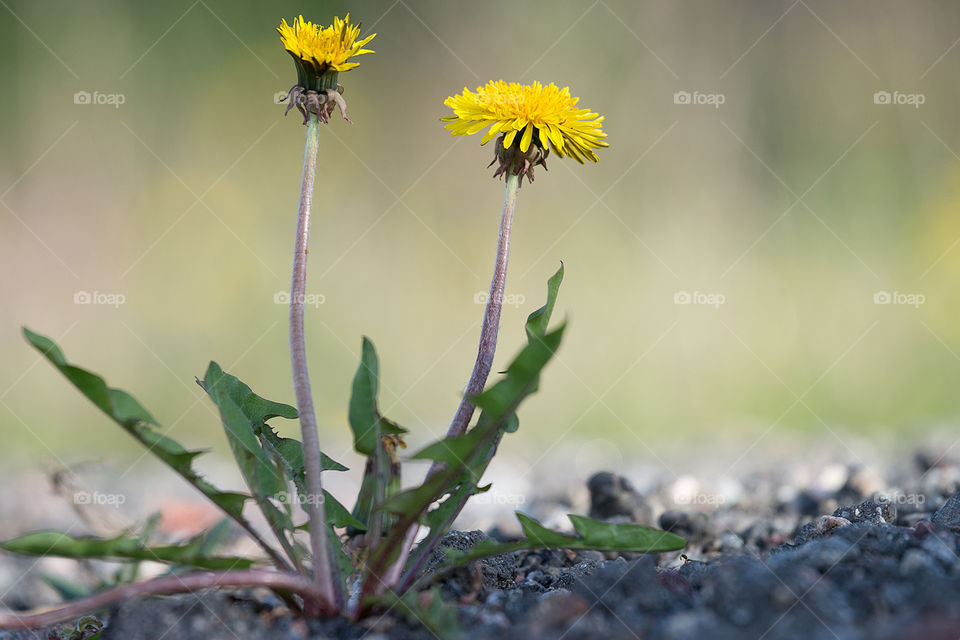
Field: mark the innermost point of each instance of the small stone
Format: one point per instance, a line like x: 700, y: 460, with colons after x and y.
x: 948, y: 515
x: 826, y: 523
x: 730, y: 542
x: 557, y: 608
x: 612, y: 496
x: 941, y: 550
x: 688, y: 525
x: 832, y: 478
x: 863, y: 481
x: 826, y: 553
x: 918, y: 563
x: 878, y: 511
x: 927, y: 460
x: 922, y: 529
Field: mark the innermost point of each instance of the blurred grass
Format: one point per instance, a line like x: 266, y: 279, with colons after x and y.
x: 694, y: 198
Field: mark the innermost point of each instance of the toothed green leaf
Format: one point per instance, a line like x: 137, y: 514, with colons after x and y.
x: 123, y: 409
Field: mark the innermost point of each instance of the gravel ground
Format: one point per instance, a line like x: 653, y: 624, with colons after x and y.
x: 832, y: 552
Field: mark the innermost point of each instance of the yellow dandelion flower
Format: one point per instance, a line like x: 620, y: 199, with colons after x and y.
x: 531, y: 114
x: 320, y: 54
x: 323, y: 48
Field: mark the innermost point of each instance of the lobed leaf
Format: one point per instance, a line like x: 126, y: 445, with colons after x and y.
x: 123, y: 409
x: 244, y: 415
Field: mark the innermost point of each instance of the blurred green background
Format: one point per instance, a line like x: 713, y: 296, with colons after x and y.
x: 797, y: 200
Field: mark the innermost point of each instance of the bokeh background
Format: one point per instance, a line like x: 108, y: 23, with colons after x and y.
x: 783, y: 212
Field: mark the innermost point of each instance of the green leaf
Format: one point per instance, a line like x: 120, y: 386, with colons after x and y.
x: 365, y: 419
x: 214, y: 537
x: 338, y: 515
x: 605, y: 536
x: 451, y: 451
x: 66, y: 589
x: 268, y: 462
x: 123, y: 409
x: 539, y: 535
x: 55, y: 543
x: 466, y: 457
x: 539, y: 320
x: 244, y: 415
x: 290, y: 452
x: 465, y: 463
x: 522, y: 378
x: 592, y: 535
x: 86, y: 628
x: 601, y: 536
x: 371, y: 435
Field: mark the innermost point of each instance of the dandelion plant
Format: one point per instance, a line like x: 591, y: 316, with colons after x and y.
x: 527, y: 118
x: 319, y: 55
x: 363, y: 559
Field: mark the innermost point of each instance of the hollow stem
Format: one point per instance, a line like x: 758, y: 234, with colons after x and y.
x: 325, y: 573
x: 278, y: 580
x: 491, y: 315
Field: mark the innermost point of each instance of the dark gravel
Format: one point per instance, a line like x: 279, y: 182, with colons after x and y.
x: 767, y: 559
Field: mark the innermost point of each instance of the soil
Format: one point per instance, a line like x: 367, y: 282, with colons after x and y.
x: 844, y: 555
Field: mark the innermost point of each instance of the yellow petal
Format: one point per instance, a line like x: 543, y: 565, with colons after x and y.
x: 527, y: 137
x: 489, y: 135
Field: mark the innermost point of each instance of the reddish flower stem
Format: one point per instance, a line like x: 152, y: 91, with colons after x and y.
x: 491, y: 315
x: 326, y: 574
x: 282, y: 581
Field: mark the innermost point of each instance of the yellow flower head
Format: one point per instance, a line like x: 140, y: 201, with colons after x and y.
x: 318, y: 50
x: 534, y: 114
